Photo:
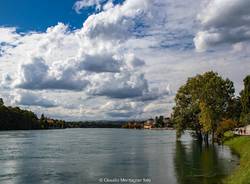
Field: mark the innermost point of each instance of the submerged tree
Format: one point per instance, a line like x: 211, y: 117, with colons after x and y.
x: 185, y: 113
x: 202, y: 103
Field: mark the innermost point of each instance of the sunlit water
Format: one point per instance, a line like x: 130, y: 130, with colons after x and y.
x: 94, y: 155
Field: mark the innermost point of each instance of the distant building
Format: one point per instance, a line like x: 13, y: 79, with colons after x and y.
x: 147, y: 126
x: 150, y: 123
x: 243, y: 130
x: 50, y: 121
x: 248, y: 129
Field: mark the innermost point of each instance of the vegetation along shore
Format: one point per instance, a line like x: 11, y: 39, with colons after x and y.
x: 240, y: 145
x: 208, y: 106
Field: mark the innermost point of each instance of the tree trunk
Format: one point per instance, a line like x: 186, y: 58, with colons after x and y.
x: 213, y: 136
x: 206, y: 138
x: 199, y: 136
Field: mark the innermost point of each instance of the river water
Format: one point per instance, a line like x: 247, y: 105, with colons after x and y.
x: 87, y: 156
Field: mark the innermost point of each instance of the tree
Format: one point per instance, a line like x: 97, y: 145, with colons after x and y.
x: 202, y: 103
x: 245, y: 102
x: 42, y: 117
x: 159, y: 121
x: 185, y: 113
x: 234, y: 109
x: 44, y: 122
x: 245, y: 119
x: 1, y: 102
x: 14, y: 118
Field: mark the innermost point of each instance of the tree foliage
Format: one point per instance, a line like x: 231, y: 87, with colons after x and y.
x: 202, y: 103
x: 225, y: 125
x: 14, y: 118
x: 234, y: 109
x: 245, y: 102
x: 185, y: 111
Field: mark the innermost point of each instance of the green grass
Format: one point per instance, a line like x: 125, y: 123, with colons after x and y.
x: 228, y: 135
x: 241, y: 175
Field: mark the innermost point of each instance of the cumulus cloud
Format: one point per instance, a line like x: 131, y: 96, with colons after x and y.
x: 223, y: 22
x: 81, y: 4
x: 155, y: 93
x: 37, y: 75
x: 121, y: 21
x: 121, y: 85
x: 8, y: 38
x: 101, y: 63
x: 107, y: 62
x: 8, y: 35
x: 121, y: 109
x: 30, y: 99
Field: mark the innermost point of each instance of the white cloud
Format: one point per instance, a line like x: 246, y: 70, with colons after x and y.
x: 121, y: 85
x: 8, y: 39
x: 155, y: 93
x: 122, y: 109
x: 205, y: 39
x: 8, y: 35
x: 121, y: 21
x: 38, y: 75
x: 223, y: 22
x: 30, y: 99
x: 81, y: 4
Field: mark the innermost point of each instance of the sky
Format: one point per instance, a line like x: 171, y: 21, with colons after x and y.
x: 116, y: 59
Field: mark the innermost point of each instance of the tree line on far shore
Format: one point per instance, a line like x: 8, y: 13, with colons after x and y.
x: 14, y: 118
x: 207, y: 105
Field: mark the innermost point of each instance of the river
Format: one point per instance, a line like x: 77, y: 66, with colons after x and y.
x: 87, y: 156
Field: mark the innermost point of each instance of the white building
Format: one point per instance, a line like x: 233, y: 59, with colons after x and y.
x: 248, y: 129
x: 243, y: 130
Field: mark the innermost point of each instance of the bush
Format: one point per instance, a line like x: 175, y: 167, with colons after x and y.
x: 224, y: 126
x: 228, y: 135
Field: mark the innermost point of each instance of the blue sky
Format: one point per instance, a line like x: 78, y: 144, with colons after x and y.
x: 38, y: 15
x: 116, y: 59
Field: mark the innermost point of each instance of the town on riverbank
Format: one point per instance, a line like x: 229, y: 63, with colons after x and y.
x: 158, y: 123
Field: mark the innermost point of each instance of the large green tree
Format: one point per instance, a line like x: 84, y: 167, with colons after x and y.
x: 202, y: 103
x: 185, y: 113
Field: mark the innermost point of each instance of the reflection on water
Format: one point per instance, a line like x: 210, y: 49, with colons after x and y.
x: 86, y: 155
x: 200, y: 164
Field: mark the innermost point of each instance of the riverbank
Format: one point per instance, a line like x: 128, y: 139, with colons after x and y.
x: 241, y: 146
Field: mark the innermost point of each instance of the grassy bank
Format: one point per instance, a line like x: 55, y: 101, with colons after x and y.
x: 241, y: 175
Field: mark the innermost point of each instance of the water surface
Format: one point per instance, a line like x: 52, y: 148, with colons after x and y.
x: 92, y: 155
